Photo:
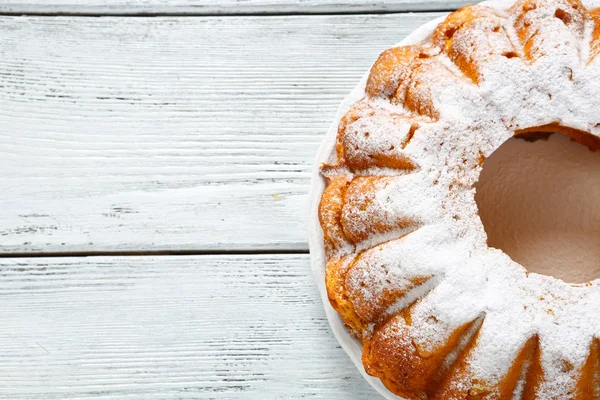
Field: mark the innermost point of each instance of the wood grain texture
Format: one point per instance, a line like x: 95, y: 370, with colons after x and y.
x: 218, y: 327
x: 223, y: 7
x: 139, y: 134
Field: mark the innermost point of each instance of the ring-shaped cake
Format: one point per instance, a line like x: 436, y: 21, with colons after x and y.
x: 397, y: 243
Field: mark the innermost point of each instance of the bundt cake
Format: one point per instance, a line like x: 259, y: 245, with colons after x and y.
x: 440, y: 314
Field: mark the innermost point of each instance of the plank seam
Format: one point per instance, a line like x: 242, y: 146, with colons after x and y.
x: 223, y: 15
x: 239, y: 252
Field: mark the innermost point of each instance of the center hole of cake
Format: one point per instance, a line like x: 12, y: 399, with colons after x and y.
x: 539, y: 202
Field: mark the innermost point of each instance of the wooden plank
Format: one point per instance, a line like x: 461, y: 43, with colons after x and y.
x: 223, y: 7
x: 218, y: 327
x: 138, y: 134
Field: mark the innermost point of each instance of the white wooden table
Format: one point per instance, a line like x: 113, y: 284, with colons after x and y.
x: 154, y: 159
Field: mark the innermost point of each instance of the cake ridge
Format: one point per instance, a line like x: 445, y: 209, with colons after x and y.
x: 345, y: 285
x: 414, y: 372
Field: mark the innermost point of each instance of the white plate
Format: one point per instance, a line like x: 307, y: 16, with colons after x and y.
x: 326, y: 153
